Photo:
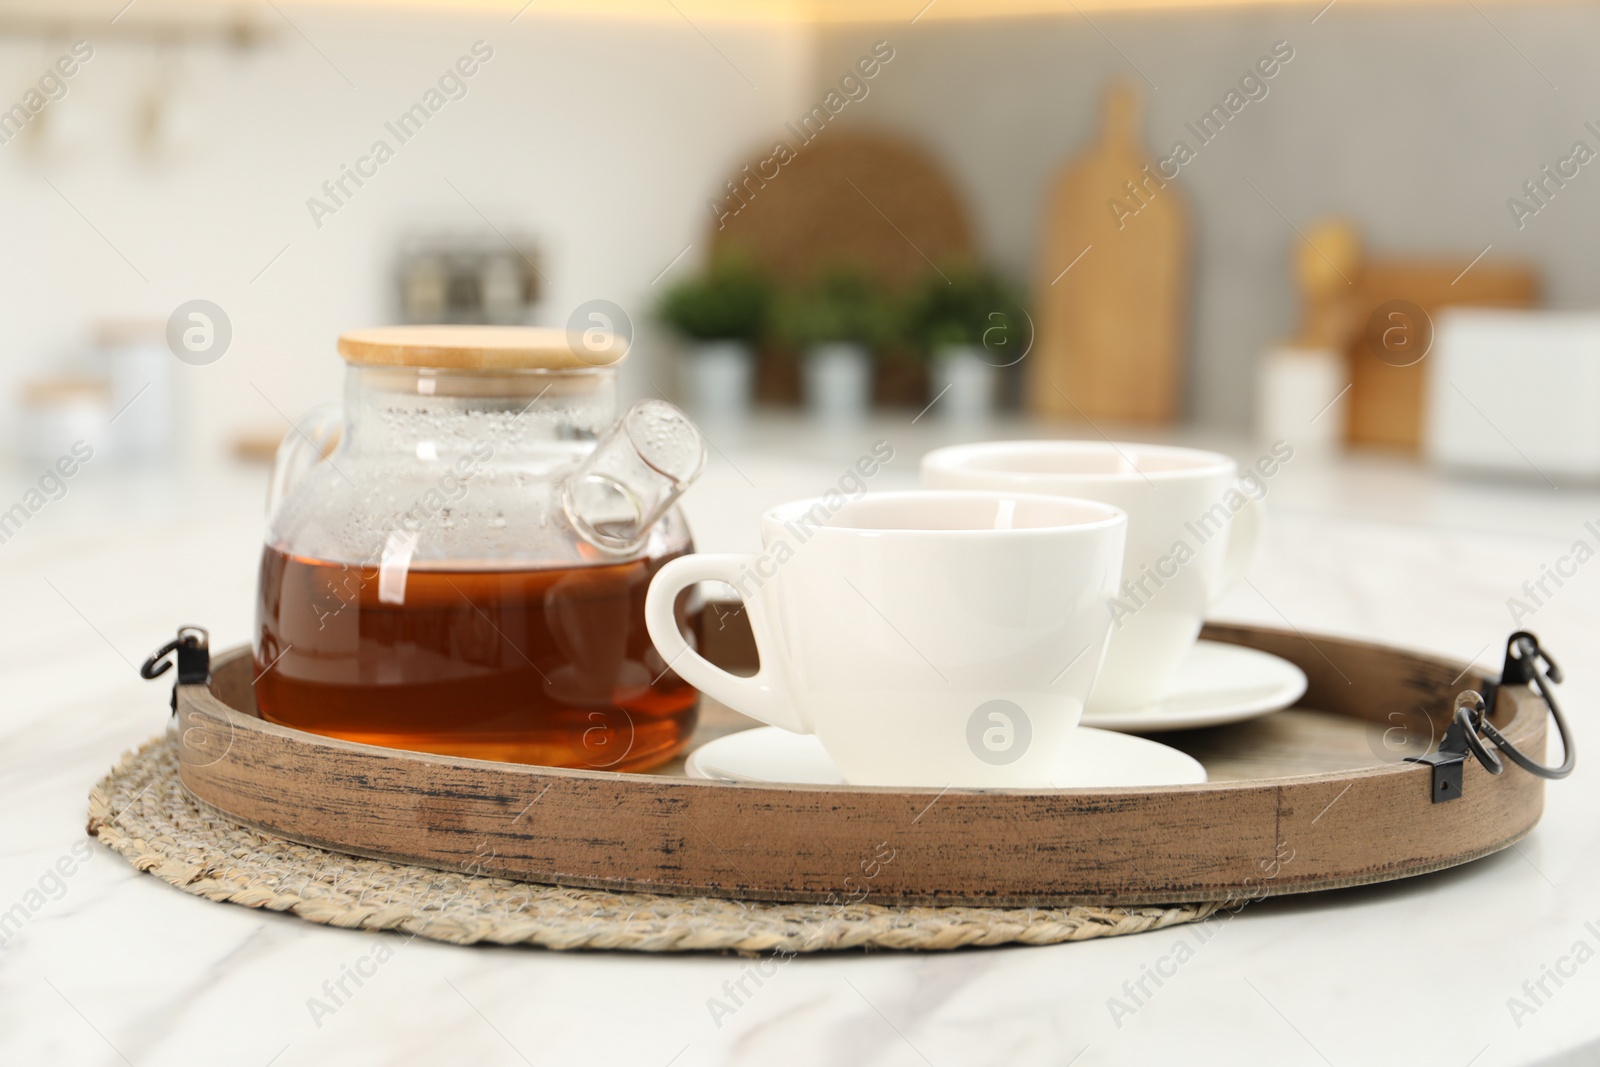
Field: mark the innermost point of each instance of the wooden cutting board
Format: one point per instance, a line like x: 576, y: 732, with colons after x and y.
x: 1386, y: 393
x: 1112, y: 282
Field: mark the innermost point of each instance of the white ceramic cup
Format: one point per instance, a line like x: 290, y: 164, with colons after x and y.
x: 1192, y: 528
x: 927, y: 639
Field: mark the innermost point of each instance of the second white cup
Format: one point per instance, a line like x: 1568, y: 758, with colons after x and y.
x: 1192, y: 528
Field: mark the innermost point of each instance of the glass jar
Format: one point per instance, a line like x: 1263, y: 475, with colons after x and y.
x: 457, y: 561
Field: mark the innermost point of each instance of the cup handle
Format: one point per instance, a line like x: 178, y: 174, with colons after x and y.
x: 761, y: 696
x: 1244, y: 537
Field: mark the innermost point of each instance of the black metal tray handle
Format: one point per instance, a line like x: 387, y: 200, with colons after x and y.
x: 193, y: 646
x: 1526, y: 664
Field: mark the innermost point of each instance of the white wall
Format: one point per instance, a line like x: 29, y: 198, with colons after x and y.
x: 1418, y: 122
x: 602, y: 139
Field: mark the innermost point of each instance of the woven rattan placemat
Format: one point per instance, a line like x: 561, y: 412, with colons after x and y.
x: 142, y: 811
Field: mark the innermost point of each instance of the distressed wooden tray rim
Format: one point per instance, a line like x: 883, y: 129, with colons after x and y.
x: 799, y: 842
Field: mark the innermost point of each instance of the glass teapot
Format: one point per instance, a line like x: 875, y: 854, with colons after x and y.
x: 457, y: 562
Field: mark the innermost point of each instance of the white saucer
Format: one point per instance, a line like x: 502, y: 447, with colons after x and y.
x: 1098, y: 759
x: 1214, y: 685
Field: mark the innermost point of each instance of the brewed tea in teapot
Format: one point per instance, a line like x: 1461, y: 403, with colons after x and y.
x: 464, y: 571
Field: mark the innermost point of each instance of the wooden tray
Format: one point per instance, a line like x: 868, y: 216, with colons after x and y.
x: 1299, y: 801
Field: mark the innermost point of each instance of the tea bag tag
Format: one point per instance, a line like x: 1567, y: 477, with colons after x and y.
x: 395, y: 564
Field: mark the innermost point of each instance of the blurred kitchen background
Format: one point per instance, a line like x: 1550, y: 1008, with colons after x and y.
x: 882, y: 205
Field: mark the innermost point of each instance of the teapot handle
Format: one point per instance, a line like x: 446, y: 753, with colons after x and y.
x: 313, y: 437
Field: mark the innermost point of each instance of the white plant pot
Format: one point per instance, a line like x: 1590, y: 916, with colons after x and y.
x: 715, y: 378
x: 964, y: 383
x: 838, y: 381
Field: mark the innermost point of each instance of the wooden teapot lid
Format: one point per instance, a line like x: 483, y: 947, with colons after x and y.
x: 481, y: 348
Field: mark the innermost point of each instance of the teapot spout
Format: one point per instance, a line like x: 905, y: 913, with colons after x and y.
x: 636, y: 472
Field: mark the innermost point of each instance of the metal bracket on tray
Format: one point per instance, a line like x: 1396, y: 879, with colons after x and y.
x: 1526, y: 664
x: 193, y: 648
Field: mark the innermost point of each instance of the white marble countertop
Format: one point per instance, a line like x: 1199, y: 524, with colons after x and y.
x: 117, y: 967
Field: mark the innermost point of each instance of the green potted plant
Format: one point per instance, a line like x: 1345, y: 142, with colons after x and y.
x: 838, y: 322
x: 720, y: 314
x: 969, y: 322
